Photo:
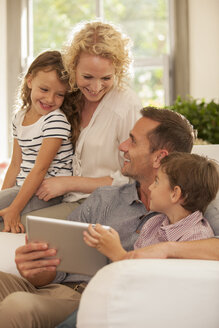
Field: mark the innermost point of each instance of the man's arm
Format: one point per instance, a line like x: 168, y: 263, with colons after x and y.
x: 205, y: 249
x: 32, y: 265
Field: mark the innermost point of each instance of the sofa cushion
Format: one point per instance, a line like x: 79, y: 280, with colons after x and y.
x: 152, y: 293
x: 9, y: 243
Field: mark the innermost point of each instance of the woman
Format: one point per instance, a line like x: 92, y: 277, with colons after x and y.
x: 98, y: 62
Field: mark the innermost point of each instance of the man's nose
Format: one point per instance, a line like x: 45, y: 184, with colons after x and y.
x: 124, y: 146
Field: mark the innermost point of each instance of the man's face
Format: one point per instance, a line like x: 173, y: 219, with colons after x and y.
x: 139, y: 161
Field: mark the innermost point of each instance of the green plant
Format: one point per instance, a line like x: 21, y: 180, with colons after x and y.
x: 202, y: 115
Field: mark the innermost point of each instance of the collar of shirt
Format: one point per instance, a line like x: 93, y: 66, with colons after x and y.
x: 175, y: 231
x: 132, y: 196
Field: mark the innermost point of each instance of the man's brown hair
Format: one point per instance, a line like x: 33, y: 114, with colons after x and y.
x: 174, y: 133
x: 197, y: 176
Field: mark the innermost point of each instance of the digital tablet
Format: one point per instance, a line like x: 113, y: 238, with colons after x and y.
x: 67, y: 238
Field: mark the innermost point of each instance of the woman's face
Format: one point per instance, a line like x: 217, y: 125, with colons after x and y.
x: 94, y: 76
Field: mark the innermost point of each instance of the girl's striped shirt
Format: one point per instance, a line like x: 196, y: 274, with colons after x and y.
x: 30, y: 138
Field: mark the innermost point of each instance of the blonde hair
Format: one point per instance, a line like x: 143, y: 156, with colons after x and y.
x: 49, y: 61
x: 101, y: 39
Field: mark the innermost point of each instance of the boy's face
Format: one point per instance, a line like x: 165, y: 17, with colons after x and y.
x: 160, y: 199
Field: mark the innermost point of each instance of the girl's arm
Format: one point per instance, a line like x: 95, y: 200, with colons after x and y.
x: 105, y: 241
x: 14, y: 167
x: 11, y: 214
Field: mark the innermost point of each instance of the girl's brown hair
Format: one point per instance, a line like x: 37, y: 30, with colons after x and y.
x: 52, y: 61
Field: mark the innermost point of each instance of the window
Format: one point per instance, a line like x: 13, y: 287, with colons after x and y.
x: 145, y: 21
x: 31, y: 26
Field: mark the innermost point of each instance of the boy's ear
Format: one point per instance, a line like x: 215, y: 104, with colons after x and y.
x: 29, y: 81
x: 161, y: 153
x: 176, y: 194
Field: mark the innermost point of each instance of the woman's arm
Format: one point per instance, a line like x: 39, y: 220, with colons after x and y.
x: 57, y: 186
x: 14, y: 167
x: 11, y: 214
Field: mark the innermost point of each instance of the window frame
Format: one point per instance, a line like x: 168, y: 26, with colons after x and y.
x: 18, y: 28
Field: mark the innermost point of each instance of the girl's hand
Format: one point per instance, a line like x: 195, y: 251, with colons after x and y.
x: 35, y: 263
x: 12, y: 221
x: 105, y: 241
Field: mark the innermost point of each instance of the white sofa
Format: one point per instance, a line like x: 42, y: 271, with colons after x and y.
x: 155, y: 293
x: 144, y: 293
x: 152, y: 293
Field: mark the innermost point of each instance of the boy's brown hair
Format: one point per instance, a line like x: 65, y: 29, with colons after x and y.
x: 197, y: 176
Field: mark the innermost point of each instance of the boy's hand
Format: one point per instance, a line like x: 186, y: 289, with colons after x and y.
x: 12, y: 222
x: 105, y: 241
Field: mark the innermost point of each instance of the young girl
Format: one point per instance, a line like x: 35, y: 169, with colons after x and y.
x: 43, y: 143
x: 184, y: 186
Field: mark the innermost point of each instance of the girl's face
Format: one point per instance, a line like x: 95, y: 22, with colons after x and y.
x: 94, y: 76
x: 47, y: 92
x: 160, y: 199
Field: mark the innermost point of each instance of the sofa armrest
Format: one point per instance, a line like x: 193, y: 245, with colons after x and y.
x: 9, y: 242
x: 152, y: 293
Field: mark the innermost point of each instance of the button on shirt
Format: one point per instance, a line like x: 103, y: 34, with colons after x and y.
x: 158, y: 229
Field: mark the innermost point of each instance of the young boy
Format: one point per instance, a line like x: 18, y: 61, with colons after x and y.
x: 184, y: 186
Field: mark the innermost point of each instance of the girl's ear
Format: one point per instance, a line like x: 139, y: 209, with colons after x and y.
x: 29, y: 81
x: 161, y: 153
x: 176, y: 194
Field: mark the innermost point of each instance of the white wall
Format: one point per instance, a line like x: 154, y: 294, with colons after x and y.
x: 204, y: 48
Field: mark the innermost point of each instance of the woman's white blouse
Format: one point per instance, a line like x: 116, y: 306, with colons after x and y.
x: 96, y: 153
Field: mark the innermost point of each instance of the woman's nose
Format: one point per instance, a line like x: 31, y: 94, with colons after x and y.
x: 96, y: 86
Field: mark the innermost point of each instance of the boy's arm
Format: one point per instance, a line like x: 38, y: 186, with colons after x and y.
x: 11, y: 214
x: 105, y: 241
x: 205, y: 249
x: 14, y: 167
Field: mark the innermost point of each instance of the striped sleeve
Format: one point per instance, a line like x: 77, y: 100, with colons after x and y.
x: 56, y: 125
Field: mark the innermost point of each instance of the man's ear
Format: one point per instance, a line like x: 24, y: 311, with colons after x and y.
x: 176, y: 194
x: 161, y: 153
x: 29, y: 81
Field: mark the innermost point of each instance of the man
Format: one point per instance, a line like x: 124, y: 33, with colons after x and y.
x: 156, y: 134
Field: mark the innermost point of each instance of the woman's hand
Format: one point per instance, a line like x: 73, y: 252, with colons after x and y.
x: 12, y: 221
x: 105, y: 241
x: 51, y: 188
x: 35, y: 261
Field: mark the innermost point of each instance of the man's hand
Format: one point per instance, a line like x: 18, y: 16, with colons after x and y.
x: 156, y: 251
x: 105, y: 241
x: 12, y: 221
x: 35, y: 261
x: 51, y: 188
